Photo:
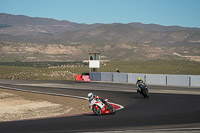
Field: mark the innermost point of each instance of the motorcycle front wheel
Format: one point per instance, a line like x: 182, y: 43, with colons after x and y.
x: 96, y: 110
x: 146, y: 94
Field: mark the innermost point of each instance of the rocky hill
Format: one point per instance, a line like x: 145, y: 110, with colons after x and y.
x: 24, y: 38
x: 24, y: 25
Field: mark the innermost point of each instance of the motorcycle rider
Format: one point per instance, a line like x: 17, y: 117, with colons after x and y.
x: 139, y: 81
x: 91, y: 97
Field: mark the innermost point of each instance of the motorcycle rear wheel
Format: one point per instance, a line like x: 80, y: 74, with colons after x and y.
x: 112, y: 110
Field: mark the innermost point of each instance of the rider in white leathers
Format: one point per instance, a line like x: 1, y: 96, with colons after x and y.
x: 93, y: 98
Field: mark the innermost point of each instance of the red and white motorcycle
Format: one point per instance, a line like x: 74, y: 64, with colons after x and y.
x: 99, y: 108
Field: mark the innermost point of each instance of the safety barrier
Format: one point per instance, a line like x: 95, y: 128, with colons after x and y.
x: 151, y: 79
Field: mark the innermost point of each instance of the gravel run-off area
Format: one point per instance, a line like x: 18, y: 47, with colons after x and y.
x: 17, y: 105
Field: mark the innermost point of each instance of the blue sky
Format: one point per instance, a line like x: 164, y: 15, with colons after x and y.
x: 184, y: 13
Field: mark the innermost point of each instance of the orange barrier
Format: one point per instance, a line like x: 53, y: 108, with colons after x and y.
x: 78, y: 77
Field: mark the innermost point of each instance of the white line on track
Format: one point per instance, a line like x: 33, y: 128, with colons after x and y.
x: 167, y: 130
x: 164, y: 130
x: 55, y: 94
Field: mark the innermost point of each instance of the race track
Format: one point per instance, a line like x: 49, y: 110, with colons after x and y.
x: 161, y: 111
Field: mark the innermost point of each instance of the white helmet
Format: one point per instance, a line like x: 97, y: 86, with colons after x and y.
x: 90, y: 95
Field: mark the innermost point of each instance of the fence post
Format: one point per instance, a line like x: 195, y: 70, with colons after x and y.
x: 145, y: 77
x: 190, y: 81
x: 112, y: 77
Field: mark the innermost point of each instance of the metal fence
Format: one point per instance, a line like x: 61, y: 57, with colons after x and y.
x: 151, y: 79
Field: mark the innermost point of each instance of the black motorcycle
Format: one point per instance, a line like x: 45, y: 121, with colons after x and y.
x: 142, y: 89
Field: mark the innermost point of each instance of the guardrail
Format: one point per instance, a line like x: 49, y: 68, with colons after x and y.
x: 151, y: 79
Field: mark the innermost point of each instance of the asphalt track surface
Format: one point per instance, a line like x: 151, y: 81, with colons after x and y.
x: 161, y: 111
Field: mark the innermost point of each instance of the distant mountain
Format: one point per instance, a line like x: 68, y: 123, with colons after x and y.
x: 43, y: 39
x: 156, y: 27
x: 126, y: 33
x: 24, y: 25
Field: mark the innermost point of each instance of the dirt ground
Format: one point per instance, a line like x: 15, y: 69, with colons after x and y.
x: 17, y: 105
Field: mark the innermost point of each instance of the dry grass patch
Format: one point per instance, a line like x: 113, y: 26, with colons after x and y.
x: 16, y: 105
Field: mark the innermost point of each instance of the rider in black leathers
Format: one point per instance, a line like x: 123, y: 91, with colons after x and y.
x: 139, y: 81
